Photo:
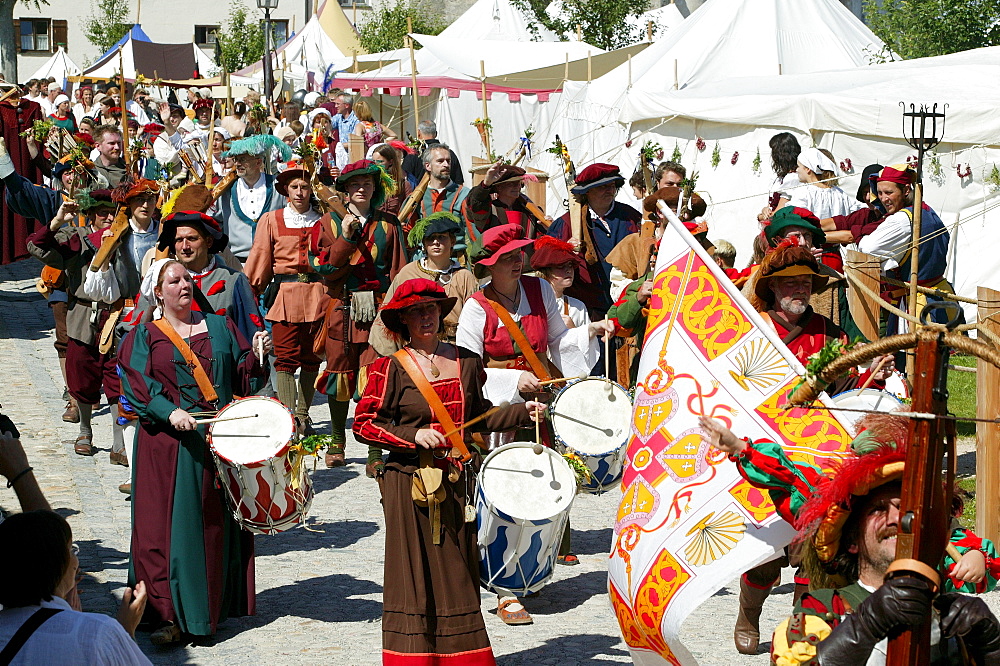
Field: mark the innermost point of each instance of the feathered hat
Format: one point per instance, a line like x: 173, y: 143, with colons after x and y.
x: 192, y: 196
x: 385, y: 186
x: 441, y: 222
x: 551, y: 252
x: 258, y: 145
x: 786, y: 259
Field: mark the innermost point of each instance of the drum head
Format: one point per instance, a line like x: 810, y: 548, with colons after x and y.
x: 592, y: 416
x: 262, y: 436
x: 871, y: 399
x: 526, y: 485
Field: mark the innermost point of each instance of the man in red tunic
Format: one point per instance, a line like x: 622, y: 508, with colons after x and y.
x: 18, y: 114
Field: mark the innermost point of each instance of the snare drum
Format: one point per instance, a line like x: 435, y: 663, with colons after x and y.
x: 592, y: 417
x: 522, y: 503
x: 267, y: 491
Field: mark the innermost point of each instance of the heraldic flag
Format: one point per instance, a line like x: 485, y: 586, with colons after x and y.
x: 688, y: 523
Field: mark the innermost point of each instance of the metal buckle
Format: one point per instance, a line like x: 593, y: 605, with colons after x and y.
x: 302, y: 277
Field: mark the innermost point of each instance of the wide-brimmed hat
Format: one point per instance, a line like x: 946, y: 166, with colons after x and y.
x: 794, y: 216
x: 385, y: 186
x: 410, y: 293
x: 441, y: 222
x: 130, y: 189
x: 865, y: 187
x: 507, y: 173
x: 785, y: 260
x: 287, y: 176
x: 500, y: 240
x: 258, y: 145
x: 207, y: 225
x: 193, y: 196
x: 597, y: 175
x: 551, y: 252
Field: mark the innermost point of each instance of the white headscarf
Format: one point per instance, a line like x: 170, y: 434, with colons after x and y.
x: 817, y: 161
x: 319, y: 111
x: 149, y: 285
x: 371, y: 151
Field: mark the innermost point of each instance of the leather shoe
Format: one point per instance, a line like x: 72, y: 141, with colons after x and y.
x: 513, y: 618
x: 171, y: 633
x: 125, y: 488
x: 335, y: 460
x: 84, y: 446
x: 118, y: 458
x: 72, y: 413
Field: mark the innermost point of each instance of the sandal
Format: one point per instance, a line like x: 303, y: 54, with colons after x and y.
x: 84, y: 446
x: 118, y: 458
x: 513, y: 617
x: 166, y: 635
x: 568, y: 559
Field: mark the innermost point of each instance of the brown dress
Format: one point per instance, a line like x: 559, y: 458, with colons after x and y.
x: 431, y: 605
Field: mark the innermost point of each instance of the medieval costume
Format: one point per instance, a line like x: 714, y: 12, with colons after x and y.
x: 294, y: 294
x: 483, y: 210
x: 431, y: 611
x: 195, y: 559
x: 17, y: 115
x: 448, y: 199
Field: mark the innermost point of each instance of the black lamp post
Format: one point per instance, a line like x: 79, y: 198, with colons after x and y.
x: 267, y: 6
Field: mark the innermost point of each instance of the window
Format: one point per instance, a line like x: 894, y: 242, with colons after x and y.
x: 355, y: 3
x: 280, y: 31
x: 204, y: 35
x: 35, y: 35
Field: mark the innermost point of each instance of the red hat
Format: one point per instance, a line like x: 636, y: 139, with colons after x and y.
x: 551, y: 252
x: 901, y: 174
x: 84, y: 138
x: 597, y: 175
x: 500, y: 240
x: 129, y: 190
x: 410, y: 293
x: 152, y: 128
x: 401, y: 145
x: 203, y: 104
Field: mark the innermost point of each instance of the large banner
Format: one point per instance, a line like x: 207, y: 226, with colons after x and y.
x: 688, y: 523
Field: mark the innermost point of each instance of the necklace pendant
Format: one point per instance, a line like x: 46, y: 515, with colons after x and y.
x: 434, y: 371
x: 470, y: 513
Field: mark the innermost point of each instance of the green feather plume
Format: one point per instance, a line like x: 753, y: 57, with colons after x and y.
x: 416, y: 235
x: 259, y: 144
x: 84, y: 200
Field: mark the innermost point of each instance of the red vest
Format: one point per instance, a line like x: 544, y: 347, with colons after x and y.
x: 497, y: 343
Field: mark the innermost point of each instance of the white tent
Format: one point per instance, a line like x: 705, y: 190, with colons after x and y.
x: 497, y: 20
x: 855, y: 114
x: 722, y: 39
x: 59, y: 66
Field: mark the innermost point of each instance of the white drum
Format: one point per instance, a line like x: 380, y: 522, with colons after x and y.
x: 593, y: 417
x: 522, y: 503
x: 867, y: 399
x: 268, y: 490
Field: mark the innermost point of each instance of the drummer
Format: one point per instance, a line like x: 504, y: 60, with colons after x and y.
x: 787, y: 278
x: 195, y: 559
x: 431, y: 609
x: 515, y: 325
x: 560, y: 266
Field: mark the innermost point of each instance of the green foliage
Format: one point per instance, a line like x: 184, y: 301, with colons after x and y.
x: 962, y: 394
x: 107, y: 23
x: 240, y: 41
x: 601, y: 22
x: 386, y: 27
x: 920, y: 28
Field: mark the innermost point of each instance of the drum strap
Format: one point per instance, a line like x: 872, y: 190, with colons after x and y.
x: 200, y: 376
x: 406, y: 360
x: 521, y: 340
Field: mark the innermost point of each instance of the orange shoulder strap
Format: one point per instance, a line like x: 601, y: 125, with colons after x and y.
x: 200, y: 376
x: 539, y: 368
x: 433, y: 401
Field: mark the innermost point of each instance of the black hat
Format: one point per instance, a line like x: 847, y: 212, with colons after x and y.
x: 208, y: 225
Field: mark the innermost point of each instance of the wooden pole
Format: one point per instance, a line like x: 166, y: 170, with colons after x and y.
x: 413, y: 75
x: 988, y: 434
x: 566, y: 69
x: 590, y: 69
x: 229, y: 90
x: 629, y: 70
x: 866, y: 314
x: 486, y: 110
x: 676, y: 78
x: 649, y: 31
x: 911, y: 298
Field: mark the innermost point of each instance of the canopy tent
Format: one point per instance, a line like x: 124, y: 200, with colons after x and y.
x: 722, y: 39
x: 327, y: 40
x: 497, y: 20
x: 59, y: 66
x: 140, y: 57
x: 135, y: 32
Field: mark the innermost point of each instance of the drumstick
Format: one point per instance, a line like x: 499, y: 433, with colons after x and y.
x: 258, y: 344
x: 546, y: 382
x: 607, y: 355
x: 871, y: 377
x: 479, y: 418
x: 225, y: 418
x: 953, y: 552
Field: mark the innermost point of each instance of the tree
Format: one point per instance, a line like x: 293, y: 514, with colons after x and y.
x: 386, y: 27
x: 107, y: 23
x: 921, y: 28
x: 602, y: 23
x: 241, y: 40
x: 8, y: 40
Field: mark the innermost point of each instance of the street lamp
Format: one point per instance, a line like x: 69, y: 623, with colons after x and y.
x: 267, y: 6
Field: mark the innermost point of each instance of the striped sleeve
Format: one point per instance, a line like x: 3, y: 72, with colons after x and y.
x: 965, y: 540
x: 765, y: 465
x: 376, y: 417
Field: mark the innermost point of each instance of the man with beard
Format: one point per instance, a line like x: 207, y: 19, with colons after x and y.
x: 253, y: 193
x: 443, y: 193
x: 109, y: 162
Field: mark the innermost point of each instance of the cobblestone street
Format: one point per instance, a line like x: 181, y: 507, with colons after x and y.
x: 319, y: 590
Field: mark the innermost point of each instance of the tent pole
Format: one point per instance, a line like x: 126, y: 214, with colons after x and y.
x: 413, y: 74
x: 566, y: 69
x: 676, y: 80
x: 629, y: 70
x: 229, y: 90
x: 589, y: 69
x: 486, y: 110
x: 649, y: 30
x: 138, y: 10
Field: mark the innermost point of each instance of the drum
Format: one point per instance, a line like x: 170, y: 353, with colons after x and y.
x: 267, y: 491
x: 592, y: 417
x: 522, y: 504
x: 869, y: 398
